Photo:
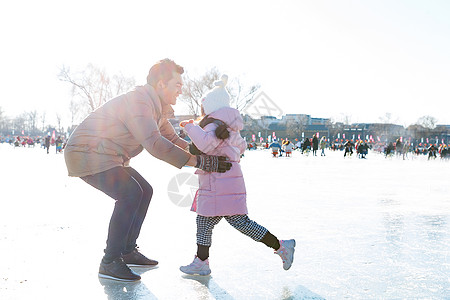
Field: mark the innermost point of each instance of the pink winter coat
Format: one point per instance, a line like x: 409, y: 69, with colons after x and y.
x: 220, y: 194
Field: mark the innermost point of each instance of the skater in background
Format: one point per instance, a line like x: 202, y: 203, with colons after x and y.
x: 30, y: 142
x: 315, y: 144
x: 399, y: 147
x: 224, y: 195
x: 276, y: 147
x: 47, y: 142
x: 348, y: 148
x: 323, y: 145
x: 288, y: 147
x: 59, y: 143
x: 363, y: 149
x: 406, y: 150
x: 444, y: 151
x: 17, y: 142
x: 100, y: 149
x: 432, y: 152
x: 306, y: 146
x: 389, y: 151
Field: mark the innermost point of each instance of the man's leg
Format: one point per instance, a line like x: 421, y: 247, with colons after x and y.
x: 121, y: 186
x: 147, y: 193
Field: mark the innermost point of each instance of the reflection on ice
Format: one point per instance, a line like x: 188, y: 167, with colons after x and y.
x: 435, y: 226
x: 208, y: 287
x: 117, y: 290
x: 300, y: 292
x: 394, y: 227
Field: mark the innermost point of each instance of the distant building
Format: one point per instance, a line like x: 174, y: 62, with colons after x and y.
x: 297, y: 117
x: 319, y: 121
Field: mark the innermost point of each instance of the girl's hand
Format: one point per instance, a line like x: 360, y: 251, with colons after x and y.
x: 183, y: 123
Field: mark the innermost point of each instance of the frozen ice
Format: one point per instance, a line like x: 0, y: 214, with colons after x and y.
x: 365, y: 229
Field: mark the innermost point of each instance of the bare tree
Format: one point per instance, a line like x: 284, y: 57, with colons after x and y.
x: 296, y: 126
x: 32, y: 120
x: 43, y: 116
x: 428, y: 122
x: 195, y: 88
x: 58, y: 121
x: 334, y: 128
x: 388, y: 118
x: 3, y: 122
x: 346, y: 119
x: 93, y: 85
x: 20, y: 123
x: 241, y: 94
x: 76, y: 111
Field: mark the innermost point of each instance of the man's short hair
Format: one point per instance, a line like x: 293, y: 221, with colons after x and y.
x: 163, y: 70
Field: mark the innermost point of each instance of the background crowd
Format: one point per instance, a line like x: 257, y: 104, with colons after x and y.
x: 283, y: 147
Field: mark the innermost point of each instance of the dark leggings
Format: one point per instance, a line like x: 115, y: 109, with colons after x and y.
x: 132, y: 194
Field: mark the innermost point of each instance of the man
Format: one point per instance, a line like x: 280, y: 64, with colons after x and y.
x: 100, y: 148
x: 315, y: 144
x: 47, y: 142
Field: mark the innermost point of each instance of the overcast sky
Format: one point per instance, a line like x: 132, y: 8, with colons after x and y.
x: 360, y: 59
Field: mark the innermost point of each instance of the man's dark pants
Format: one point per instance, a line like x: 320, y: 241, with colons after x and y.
x: 132, y: 194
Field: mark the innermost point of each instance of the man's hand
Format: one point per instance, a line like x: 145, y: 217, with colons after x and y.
x: 211, y: 163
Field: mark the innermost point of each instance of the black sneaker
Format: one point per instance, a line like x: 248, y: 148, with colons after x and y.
x: 117, y: 270
x: 137, y: 259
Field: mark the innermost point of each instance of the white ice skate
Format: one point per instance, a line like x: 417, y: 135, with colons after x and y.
x: 197, y: 267
x: 286, y: 252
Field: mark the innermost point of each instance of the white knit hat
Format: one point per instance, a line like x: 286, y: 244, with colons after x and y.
x: 216, y: 98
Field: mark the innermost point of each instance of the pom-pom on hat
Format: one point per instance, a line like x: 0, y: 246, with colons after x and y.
x: 216, y: 98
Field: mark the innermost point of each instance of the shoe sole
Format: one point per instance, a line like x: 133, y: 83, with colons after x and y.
x: 116, y: 278
x: 141, y: 266
x: 202, y: 273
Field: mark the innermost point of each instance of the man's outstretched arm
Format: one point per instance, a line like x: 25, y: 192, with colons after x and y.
x: 209, y: 163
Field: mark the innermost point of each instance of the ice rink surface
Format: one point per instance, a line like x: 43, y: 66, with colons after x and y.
x: 365, y: 229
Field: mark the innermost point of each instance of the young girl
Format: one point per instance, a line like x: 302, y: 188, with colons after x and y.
x: 224, y: 195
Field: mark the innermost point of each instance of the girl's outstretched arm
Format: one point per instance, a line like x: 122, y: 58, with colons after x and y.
x: 204, y: 138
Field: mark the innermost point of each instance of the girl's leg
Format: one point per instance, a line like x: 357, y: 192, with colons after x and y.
x: 253, y: 230
x: 200, y: 265
x: 270, y: 241
x: 205, y: 225
x: 285, y: 248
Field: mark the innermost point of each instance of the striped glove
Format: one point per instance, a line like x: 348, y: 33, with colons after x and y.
x: 211, y: 163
